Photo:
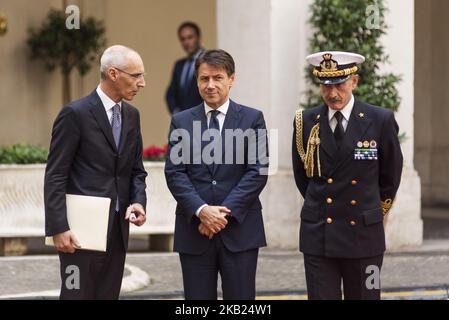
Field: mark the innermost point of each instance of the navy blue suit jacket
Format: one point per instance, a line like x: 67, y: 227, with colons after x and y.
x: 236, y: 186
x: 177, y: 98
x: 84, y: 160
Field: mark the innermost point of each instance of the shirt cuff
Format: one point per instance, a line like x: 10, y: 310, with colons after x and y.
x: 197, y: 212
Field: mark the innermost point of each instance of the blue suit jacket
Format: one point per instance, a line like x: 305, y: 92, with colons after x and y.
x: 177, y: 98
x: 236, y: 186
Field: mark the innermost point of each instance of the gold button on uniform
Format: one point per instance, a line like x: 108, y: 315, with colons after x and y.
x: 353, y: 223
x: 353, y: 202
x: 354, y: 182
x: 329, y: 200
x: 330, y: 180
x: 329, y: 220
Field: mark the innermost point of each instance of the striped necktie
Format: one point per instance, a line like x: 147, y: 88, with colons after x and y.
x: 116, y: 124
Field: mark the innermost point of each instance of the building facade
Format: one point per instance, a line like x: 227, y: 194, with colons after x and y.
x: 269, y: 41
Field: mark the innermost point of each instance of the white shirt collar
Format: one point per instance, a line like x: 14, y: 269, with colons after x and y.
x: 223, y: 108
x: 346, y: 111
x: 108, y: 103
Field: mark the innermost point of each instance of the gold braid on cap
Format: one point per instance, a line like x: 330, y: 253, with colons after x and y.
x: 313, y: 145
x: 386, y: 206
x: 334, y: 74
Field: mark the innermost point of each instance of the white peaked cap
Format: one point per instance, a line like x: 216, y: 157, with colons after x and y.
x: 342, y: 58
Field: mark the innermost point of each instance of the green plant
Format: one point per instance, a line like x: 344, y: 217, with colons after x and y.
x: 341, y: 25
x: 22, y: 154
x: 58, y: 46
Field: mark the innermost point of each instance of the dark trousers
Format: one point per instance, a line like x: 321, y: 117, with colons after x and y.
x: 324, y: 277
x: 100, y: 273
x: 237, y: 271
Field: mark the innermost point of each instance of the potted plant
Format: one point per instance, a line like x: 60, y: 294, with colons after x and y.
x: 68, y: 49
x: 161, y: 205
x: 22, y: 169
x: 155, y: 153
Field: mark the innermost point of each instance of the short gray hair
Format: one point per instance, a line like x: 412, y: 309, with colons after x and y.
x: 117, y: 56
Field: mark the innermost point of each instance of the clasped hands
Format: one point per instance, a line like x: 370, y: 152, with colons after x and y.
x: 213, y: 220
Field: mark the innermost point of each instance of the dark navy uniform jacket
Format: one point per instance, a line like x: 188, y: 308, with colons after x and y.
x: 342, y: 215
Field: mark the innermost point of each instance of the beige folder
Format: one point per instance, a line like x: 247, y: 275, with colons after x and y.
x: 88, y: 219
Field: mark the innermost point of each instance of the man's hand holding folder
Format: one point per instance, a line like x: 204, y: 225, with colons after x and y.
x: 66, y: 242
x: 88, y: 219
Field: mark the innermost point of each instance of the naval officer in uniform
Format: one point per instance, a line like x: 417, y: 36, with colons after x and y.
x: 347, y: 163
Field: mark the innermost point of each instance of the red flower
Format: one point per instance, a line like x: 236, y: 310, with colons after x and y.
x: 154, y: 153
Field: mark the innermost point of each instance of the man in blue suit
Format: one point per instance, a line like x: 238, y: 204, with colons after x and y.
x: 182, y: 93
x: 219, y: 225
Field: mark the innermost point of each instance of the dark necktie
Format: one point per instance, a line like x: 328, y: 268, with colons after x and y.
x: 116, y: 124
x: 339, y: 131
x: 214, y: 124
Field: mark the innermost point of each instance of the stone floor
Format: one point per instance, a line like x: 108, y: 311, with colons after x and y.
x: 280, y: 274
x: 417, y: 273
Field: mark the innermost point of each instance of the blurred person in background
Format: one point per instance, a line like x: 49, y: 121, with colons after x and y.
x: 183, y: 92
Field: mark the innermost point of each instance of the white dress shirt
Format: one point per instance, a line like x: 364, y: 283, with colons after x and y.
x: 108, y: 103
x: 346, y: 112
x: 221, y: 118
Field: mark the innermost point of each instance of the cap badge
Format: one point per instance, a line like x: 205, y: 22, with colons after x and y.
x: 328, y: 64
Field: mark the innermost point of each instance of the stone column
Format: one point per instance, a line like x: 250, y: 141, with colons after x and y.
x: 267, y: 38
x: 404, y: 226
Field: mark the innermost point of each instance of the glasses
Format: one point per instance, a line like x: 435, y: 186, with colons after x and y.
x: 136, y: 76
